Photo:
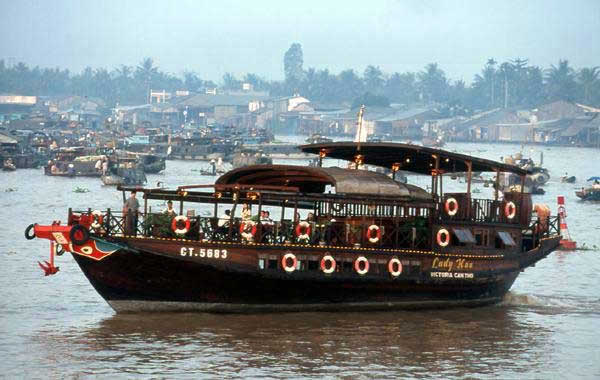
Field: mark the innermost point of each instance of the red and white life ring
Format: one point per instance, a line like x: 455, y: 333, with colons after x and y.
x: 97, y: 219
x: 373, y: 239
x: 328, y: 264
x: 303, y: 230
x: 510, y: 210
x: 284, y: 262
x: 443, y: 237
x: 395, y: 267
x: 451, y: 206
x: 248, y: 229
x: 365, y: 265
x: 180, y: 219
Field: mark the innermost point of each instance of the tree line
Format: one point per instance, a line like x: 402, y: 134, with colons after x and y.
x: 513, y: 83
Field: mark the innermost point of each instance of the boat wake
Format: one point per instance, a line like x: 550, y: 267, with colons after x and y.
x: 552, y: 305
x: 513, y: 299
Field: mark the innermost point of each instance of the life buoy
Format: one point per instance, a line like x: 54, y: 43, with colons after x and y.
x: 451, y: 206
x: 395, y: 267
x: 357, y: 263
x: 373, y: 239
x: 284, y: 262
x: 303, y: 230
x: 97, y: 219
x: 248, y: 229
x: 176, y: 221
x: 328, y: 264
x: 443, y: 237
x: 510, y: 210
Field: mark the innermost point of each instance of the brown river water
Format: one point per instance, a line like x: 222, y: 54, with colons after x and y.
x: 58, y: 327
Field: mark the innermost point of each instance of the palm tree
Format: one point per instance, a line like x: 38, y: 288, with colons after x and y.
x: 145, y: 73
x: 373, y: 78
x: 560, y: 81
x: 588, y: 77
x: 433, y: 83
x: 491, y: 67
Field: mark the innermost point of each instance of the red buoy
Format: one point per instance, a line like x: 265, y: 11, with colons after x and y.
x: 566, y: 243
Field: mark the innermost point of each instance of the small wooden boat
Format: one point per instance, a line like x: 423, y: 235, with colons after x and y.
x: 568, y: 179
x: 9, y: 166
x: 589, y: 194
x: 124, y: 171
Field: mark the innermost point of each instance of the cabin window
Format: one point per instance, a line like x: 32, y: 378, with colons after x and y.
x: 313, y: 265
x: 272, y: 264
x: 506, y: 238
x: 481, y: 238
x: 261, y: 263
x: 464, y: 236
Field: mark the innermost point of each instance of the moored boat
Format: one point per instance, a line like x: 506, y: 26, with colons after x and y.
x: 124, y: 171
x: 341, y: 239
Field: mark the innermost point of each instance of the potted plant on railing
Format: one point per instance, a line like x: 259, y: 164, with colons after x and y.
x: 158, y: 225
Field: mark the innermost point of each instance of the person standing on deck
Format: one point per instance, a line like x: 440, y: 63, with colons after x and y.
x: 130, y: 212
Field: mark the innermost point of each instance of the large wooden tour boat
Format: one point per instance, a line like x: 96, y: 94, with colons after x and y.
x: 341, y: 239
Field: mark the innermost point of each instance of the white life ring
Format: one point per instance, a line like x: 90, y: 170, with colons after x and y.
x: 443, y: 237
x: 176, y: 220
x: 395, y: 262
x: 358, y: 261
x: 374, y: 239
x: 328, y: 259
x: 284, y: 262
x: 510, y: 210
x: 451, y: 206
x: 97, y: 219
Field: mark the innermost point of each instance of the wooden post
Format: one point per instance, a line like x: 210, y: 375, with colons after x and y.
x: 497, y: 184
x: 469, y: 175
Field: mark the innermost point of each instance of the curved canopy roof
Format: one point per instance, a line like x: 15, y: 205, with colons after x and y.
x: 314, y: 180
x: 407, y: 157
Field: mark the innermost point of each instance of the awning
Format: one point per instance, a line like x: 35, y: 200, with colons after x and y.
x: 506, y: 238
x: 464, y: 235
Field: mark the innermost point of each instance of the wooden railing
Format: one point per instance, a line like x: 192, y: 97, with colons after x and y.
x: 409, y: 233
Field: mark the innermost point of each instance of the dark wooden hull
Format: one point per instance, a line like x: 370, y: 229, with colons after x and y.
x: 154, y: 275
x: 589, y: 195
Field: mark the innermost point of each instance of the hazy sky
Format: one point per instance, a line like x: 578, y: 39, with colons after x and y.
x: 214, y: 37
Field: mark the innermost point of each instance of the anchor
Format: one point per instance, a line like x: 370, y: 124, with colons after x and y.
x: 48, y: 267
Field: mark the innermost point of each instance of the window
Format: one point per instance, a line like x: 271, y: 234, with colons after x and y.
x: 506, y: 238
x: 464, y: 235
x: 481, y: 237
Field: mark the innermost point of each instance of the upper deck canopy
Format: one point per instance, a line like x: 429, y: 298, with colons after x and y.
x: 314, y: 180
x: 407, y: 157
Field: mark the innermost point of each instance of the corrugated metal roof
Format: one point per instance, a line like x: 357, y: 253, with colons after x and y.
x: 207, y: 100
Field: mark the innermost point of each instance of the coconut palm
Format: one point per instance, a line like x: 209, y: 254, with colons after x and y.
x: 560, y: 82
x: 588, y: 78
x: 433, y: 83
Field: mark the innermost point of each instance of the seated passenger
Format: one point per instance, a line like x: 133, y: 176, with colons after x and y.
x: 223, y: 223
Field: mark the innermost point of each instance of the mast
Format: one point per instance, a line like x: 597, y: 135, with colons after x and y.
x: 358, y: 159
